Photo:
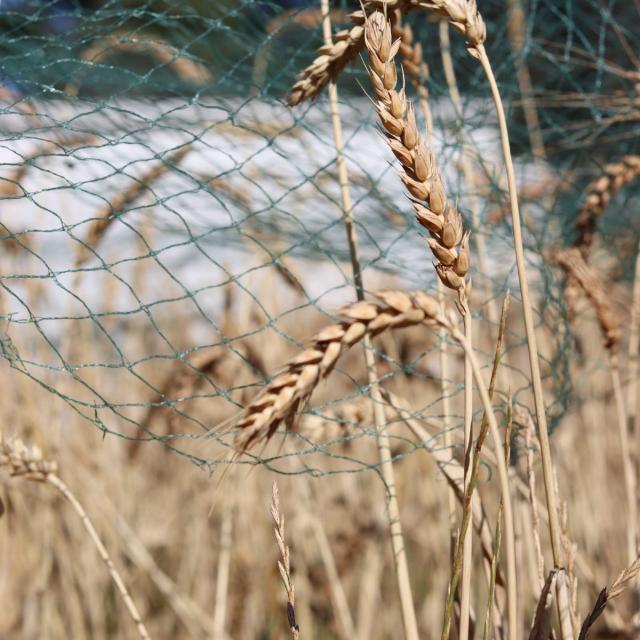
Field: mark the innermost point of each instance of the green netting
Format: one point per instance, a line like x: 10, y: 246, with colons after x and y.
x: 223, y: 247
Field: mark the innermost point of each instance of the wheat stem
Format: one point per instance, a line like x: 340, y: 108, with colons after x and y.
x: 536, y: 380
x: 633, y: 398
x: 224, y: 563
x: 627, y: 463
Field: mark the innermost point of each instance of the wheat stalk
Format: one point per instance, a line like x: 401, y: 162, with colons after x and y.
x: 28, y: 462
x: 464, y: 17
x: 600, y: 191
x: 516, y: 30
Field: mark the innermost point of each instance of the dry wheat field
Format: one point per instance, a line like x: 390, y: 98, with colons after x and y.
x: 319, y: 319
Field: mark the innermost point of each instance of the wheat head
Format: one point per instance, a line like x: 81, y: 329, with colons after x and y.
x: 599, y: 194
x: 287, y: 392
x: 449, y: 242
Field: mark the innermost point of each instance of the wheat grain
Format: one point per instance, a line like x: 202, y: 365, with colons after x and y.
x: 599, y: 194
x: 410, y: 51
x: 25, y: 461
x: 464, y: 17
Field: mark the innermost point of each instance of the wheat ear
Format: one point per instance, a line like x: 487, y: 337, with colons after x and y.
x: 335, y: 56
x: 28, y: 462
x: 619, y: 585
x: 284, y: 566
x: 105, y: 218
x: 289, y: 391
x: 600, y: 191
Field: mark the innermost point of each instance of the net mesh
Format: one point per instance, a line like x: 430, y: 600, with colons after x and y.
x: 171, y: 232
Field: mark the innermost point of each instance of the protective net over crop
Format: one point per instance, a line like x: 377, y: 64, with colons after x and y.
x: 172, y: 232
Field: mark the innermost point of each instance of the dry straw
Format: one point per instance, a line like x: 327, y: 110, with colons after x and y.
x: 289, y: 391
x: 386, y: 465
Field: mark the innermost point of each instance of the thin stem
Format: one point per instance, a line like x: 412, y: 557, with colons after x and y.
x: 409, y: 620
x: 58, y: 484
x: 446, y: 415
x: 224, y: 562
x: 504, y: 484
x: 536, y: 380
x: 633, y: 356
x: 467, y: 538
x: 470, y: 486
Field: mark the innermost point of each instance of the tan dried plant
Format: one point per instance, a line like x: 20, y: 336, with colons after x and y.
x: 11, y: 187
x: 586, y: 278
x: 449, y: 242
x: 105, y: 218
x: 600, y: 191
x: 185, y: 67
x: 618, y: 586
